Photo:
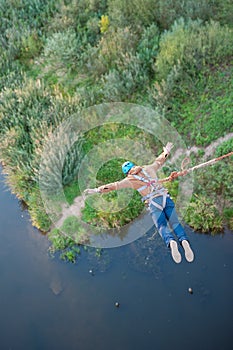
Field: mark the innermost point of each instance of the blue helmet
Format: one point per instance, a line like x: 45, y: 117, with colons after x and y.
x: 127, y: 166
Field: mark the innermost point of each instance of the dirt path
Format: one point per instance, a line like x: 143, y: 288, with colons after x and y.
x: 79, y: 202
x: 209, y: 150
x: 74, y: 209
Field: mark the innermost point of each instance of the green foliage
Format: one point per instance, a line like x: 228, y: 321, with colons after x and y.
x: 28, y: 115
x: 214, y: 186
x: 70, y: 255
x: 213, y: 181
x: 223, y: 11
x: 72, y: 228
x: 71, y: 163
x: 59, y: 241
x: 30, y: 47
x: 33, y: 13
x: 147, y: 48
x: 113, y: 216
x: 71, y: 191
x: 135, y: 12
x: 78, y: 13
x: 199, y: 107
x: 62, y: 54
x: 110, y: 171
x: 68, y: 239
x: 192, y: 45
x: 20, y: 21
x: 81, y: 16
x: 202, y: 215
x: 121, y: 85
x: 124, y: 61
x: 64, y: 244
x: 115, y: 131
x: 37, y: 211
x: 139, y: 13
x: 71, y: 225
x: 114, y: 47
x: 224, y: 148
x: 173, y: 188
x: 228, y: 216
x: 169, y: 10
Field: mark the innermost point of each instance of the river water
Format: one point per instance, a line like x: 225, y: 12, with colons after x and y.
x: 47, y: 304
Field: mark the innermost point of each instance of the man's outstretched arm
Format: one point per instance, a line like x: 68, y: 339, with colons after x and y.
x: 125, y: 183
x: 160, y: 160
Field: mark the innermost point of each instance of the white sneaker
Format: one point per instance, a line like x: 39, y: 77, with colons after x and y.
x: 175, y: 252
x: 188, y: 251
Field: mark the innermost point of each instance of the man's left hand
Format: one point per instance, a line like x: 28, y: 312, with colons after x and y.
x: 168, y: 147
x: 91, y: 191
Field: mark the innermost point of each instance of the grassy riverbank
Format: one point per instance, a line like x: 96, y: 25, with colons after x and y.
x: 60, y: 57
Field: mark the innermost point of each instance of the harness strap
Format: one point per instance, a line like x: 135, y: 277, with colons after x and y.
x: 140, y: 178
x: 142, y: 188
x: 157, y: 192
x: 151, y: 195
x: 149, y: 182
x: 160, y: 207
x: 157, y: 205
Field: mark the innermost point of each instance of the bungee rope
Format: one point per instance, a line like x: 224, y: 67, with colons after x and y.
x: 184, y: 171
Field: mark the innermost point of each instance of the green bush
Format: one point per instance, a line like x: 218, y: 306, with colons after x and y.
x: 69, y: 250
x: 72, y: 228
x: 199, y: 106
x: 193, y: 45
x: 20, y: 19
x: 228, y: 216
x: 169, y: 10
x: 61, y: 54
x: 138, y: 13
x: 37, y: 211
x: 203, y: 216
x: 120, y: 85
x: 213, y: 200
x: 31, y: 46
x: 130, y: 71
x: 82, y: 16
x: 223, y: 11
x: 213, y: 182
x: 59, y: 241
x: 147, y: 48
x: 134, y: 13
x: 11, y: 74
x: 111, y: 52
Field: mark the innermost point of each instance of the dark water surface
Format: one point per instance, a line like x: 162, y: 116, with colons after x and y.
x: 48, y: 304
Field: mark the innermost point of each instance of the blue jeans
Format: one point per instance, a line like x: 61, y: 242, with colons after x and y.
x: 161, y: 219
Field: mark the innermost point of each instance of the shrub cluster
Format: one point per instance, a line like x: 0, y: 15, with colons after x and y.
x: 192, y: 45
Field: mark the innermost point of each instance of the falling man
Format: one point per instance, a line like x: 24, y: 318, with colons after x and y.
x: 161, y: 206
